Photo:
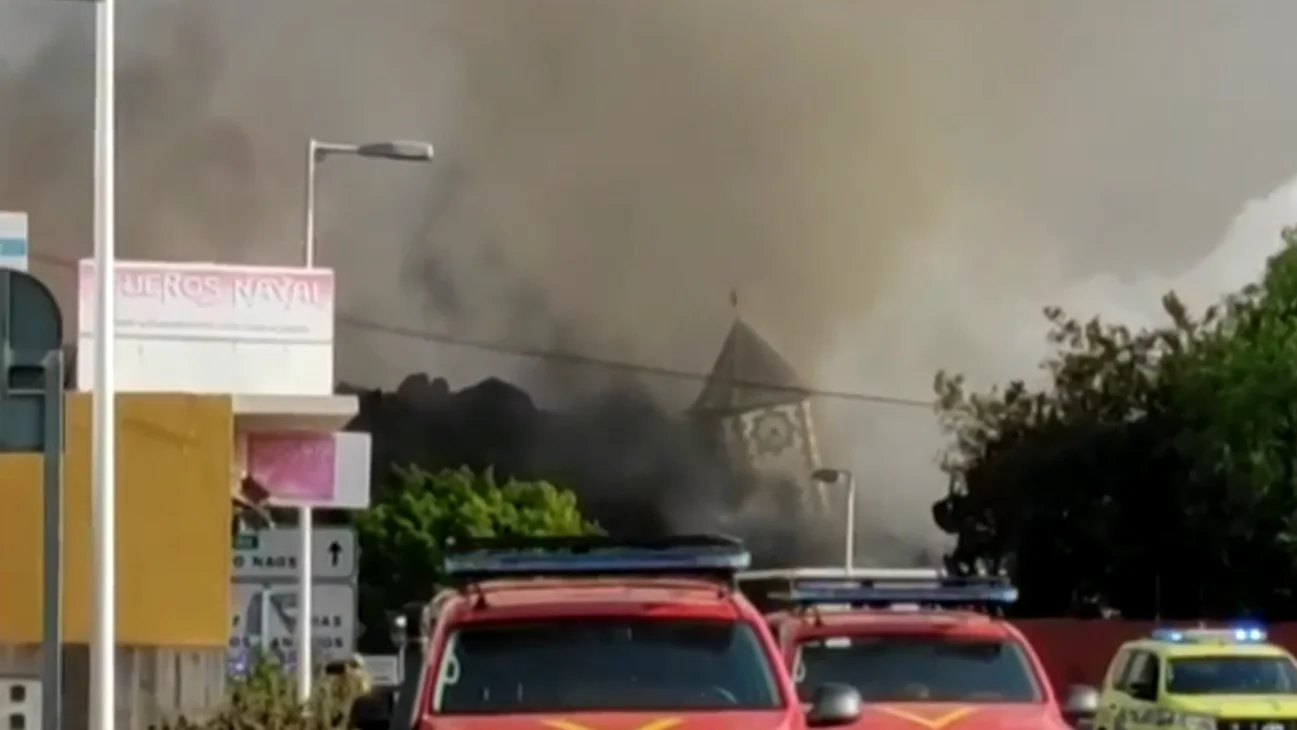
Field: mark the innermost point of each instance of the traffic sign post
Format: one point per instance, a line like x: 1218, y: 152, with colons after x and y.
x: 31, y: 421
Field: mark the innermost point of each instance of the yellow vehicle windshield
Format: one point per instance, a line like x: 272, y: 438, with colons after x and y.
x: 1231, y: 675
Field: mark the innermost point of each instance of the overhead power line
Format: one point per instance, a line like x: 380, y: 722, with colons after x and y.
x: 357, y: 322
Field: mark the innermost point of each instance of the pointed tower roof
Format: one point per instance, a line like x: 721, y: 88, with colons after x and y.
x: 749, y: 374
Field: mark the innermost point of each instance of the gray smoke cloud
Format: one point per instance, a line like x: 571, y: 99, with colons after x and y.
x: 892, y: 186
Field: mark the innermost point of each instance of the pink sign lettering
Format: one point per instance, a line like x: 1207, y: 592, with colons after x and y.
x: 297, y: 468
x: 217, y: 286
x: 245, y: 290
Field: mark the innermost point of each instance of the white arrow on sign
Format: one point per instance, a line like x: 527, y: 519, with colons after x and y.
x: 272, y: 554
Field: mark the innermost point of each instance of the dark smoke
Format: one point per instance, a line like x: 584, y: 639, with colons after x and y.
x: 893, y: 186
x: 638, y: 471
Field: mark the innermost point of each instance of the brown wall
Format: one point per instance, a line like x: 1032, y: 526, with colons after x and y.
x: 173, y: 512
x: 1077, y: 651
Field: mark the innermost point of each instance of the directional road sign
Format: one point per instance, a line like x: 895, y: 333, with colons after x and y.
x: 333, y: 627
x: 13, y: 241
x: 384, y: 669
x: 31, y: 332
x: 271, y: 554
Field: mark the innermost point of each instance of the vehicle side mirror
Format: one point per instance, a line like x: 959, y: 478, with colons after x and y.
x: 834, y: 704
x: 1081, y: 706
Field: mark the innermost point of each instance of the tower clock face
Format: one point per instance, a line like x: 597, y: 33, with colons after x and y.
x: 774, y: 432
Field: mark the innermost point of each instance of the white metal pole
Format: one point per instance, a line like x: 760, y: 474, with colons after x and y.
x: 850, y: 482
x: 308, y: 243
x: 103, y: 640
x: 303, y: 639
x: 263, y: 620
x: 305, y: 518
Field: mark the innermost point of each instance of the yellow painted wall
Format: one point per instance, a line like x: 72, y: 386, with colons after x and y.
x: 173, y: 525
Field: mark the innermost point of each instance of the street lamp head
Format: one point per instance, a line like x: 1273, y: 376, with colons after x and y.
x: 403, y: 150
x: 829, y: 476
x: 398, y: 630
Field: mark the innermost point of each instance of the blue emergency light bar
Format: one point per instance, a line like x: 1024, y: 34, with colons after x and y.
x: 875, y: 587
x: 1229, y: 635
x: 944, y: 592
x: 701, y: 555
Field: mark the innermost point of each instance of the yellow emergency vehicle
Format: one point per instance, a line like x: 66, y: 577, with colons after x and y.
x: 1200, y: 679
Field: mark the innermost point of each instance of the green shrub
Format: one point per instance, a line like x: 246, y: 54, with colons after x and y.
x: 403, y: 532
x: 266, y: 699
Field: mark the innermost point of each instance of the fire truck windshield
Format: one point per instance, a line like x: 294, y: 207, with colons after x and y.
x: 589, y: 664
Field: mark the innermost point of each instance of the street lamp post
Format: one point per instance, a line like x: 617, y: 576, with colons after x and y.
x: 318, y: 151
x: 103, y: 637
x: 847, y: 480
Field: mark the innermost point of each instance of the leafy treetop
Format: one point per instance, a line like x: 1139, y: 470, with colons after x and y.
x: 402, y: 535
x: 1154, y: 471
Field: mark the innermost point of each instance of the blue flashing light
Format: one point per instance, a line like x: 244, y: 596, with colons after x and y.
x: 598, y: 557
x: 952, y: 592
x: 1230, y: 635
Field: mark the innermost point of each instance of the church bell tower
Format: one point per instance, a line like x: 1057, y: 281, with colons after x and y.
x: 759, y: 411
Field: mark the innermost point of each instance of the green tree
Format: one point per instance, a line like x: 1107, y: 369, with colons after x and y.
x: 1152, y: 471
x: 402, y: 535
x: 1238, y: 398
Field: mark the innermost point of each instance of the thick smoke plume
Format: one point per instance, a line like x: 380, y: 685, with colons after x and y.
x: 892, y: 186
